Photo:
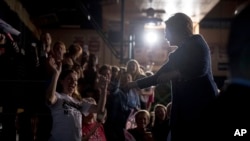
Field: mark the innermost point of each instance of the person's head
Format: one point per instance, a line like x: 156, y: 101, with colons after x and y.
x: 105, y: 70
x: 239, y: 44
x: 93, y: 60
x: 122, y: 69
x: 115, y: 72
x: 58, y: 50
x: 125, y: 78
x: 133, y: 66
x: 46, y: 39
x: 75, y: 50
x: 68, y: 83
x: 77, y: 67
x: 84, y: 57
x: 142, y: 119
x: 160, y: 112
x: 178, y: 27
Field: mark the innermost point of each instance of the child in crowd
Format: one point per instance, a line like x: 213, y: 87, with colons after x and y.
x: 92, y: 130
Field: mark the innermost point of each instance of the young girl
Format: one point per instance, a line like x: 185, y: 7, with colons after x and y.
x: 92, y: 130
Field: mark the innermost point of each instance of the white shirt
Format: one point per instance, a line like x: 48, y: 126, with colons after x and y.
x: 67, y: 118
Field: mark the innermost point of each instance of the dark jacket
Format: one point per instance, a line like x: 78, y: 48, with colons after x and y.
x: 193, y: 91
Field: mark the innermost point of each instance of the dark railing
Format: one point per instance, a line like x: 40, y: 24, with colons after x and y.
x: 97, y: 27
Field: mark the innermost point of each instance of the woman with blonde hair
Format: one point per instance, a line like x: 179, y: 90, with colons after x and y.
x: 141, y: 132
x: 161, y: 126
x: 133, y: 67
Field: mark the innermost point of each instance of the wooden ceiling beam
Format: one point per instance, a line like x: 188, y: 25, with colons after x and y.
x: 18, y: 8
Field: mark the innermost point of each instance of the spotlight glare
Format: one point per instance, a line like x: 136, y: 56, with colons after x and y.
x: 150, y: 37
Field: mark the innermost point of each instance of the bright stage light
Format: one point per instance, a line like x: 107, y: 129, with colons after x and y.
x: 150, y: 37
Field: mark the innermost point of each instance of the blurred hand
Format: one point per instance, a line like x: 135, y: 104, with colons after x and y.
x: 101, y: 117
x: 2, y: 38
x: 15, y: 47
x: 148, y: 136
x: 103, y: 82
x: 56, y: 67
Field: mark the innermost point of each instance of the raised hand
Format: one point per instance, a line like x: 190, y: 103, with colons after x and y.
x: 103, y: 82
x: 56, y: 67
x: 101, y: 117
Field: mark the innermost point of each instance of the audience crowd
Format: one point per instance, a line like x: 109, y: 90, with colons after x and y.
x: 77, y: 99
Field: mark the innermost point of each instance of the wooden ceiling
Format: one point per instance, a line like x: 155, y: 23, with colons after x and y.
x: 64, y: 12
x: 108, y: 13
x: 196, y: 9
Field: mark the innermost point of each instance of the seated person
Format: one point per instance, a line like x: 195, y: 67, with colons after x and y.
x: 141, y: 133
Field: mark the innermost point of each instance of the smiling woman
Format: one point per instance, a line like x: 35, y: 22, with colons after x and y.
x: 141, y: 132
x: 66, y: 104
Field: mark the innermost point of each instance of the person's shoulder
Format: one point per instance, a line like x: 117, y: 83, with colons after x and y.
x: 196, y: 37
x: 196, y: 40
